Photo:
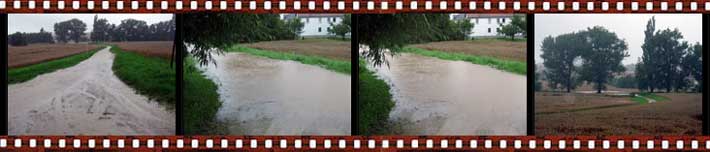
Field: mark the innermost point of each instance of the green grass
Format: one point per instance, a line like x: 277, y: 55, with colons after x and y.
x: 516, y: 67
x: 201, y: 101
x: 375, y: 102
x: 654, y: 96
x: 150, y: 76
x: 22, y: 74
x: 330, y: 64
x: 640, y: 100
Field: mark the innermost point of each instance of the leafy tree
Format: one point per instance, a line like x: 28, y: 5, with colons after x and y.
x: 559, y: 55
x: 509, y: 30
x: 100, y: 32
x: 70, y: 30
x: 692, y: 65
x: 387, y: 33
x: 461, y: 28
x: 646, y: 68
x: 341, y: 28
x: 603, y: 56
x: 295, y: 25
x: 625, y: 82
x: 134, y: 30
x: 17, y: 39
x: 520, y: 22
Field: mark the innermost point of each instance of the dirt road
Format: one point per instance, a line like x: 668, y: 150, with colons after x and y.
x: 262, y: 96
x: 86, y: 99
x: 440, y: 97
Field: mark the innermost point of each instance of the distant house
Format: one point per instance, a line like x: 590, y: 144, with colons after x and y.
x: 485, y: 25
x: 316, y: 25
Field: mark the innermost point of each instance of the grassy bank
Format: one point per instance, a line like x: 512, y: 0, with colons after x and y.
x: 330, y: 64
x: 641, y: 97
x: 150, y: 76
x: 201, y: 101
x: 517, y: 67
x: 22, y: 74
x: 375, y: 102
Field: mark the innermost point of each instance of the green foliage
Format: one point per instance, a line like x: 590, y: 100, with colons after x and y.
x: 374, y: 101
x: 69, y: 30
x: 295, y: 25
x: 201, y: 100
x: 387, y: 33
x: 22, y: 74
x: 330, y: 64
x: 520, y: 22
x: 100, y: 31
x: 654, y: 96
x: 208, y: 33
x: 150, y: 76
x: 603, y: 56
x: 559, y: 54
x: 342, y: 28
x: 461, y: 29
x: 17, y: 39
x: 516, y: 67
x: 509, y: 30
x: 601, y: 52
x: 667, y: 62
x: 625, y: 82
x: 640, y: 100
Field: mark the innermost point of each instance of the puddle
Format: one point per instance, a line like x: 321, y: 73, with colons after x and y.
x: 441, y: 97
x: 262, y: 96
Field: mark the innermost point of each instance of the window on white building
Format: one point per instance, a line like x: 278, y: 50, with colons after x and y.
x: 503, y: 20
x: 489, y: 30
x: 319, y: 29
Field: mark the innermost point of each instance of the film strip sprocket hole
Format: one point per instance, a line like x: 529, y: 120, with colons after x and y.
x: 353, y: 143
x: 355, y: 6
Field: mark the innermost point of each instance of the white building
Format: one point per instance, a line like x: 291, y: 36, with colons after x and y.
x: 485, y: 25
x: 316, y: 25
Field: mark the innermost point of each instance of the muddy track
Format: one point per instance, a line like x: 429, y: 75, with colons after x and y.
x: 86, y: 99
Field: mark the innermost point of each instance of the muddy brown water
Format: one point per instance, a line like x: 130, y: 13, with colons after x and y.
x: 262, y: 96
x: 441, y: 97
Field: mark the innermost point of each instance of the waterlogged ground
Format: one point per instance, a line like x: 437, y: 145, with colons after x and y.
x: 85, y: 99
x: 262, y: 96
x: 441, y: 97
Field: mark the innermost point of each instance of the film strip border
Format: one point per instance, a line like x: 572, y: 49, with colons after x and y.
x: 356, y: 6
x: 353, y: 143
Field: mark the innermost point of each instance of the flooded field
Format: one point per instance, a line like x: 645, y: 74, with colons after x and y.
x: 440, y: 97
x: 262, y: 96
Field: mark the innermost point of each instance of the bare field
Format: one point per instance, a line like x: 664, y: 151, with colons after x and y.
x: 162, y: 49
x: 681, y: 115
x: 36, y: 53
x: 483, y: 47
x: 339, y: 50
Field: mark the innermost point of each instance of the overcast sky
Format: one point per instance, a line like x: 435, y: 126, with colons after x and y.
x: 33, y: 22
x: 629, y: 27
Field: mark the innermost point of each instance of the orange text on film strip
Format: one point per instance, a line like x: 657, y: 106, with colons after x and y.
x: 351, y: 143
x: 354, y: 6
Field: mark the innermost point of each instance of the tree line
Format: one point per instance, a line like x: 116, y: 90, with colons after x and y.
x: 75, y: 30
x: 594, y: 56
x: 667, y: 62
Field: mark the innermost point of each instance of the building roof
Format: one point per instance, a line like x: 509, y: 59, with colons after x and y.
x: 290, y: 16
x: 462, y: 16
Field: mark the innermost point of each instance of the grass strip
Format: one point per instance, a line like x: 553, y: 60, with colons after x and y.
x: 150, y: 76
x: 22, y: 74
x: 516, y: 67
x: 640, y: 100
x: 330, y: 64
x: 654, y: 96
x: 201, y: 101
x: 588, y: 108
x: 375, y: 102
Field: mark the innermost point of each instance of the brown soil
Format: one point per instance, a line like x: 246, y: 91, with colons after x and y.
x: 19, y: 56
x: 483, y: 47
x: 339, y: 50
x: 162, y: 49
x: 677, y: 116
